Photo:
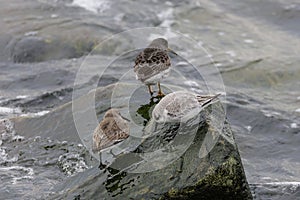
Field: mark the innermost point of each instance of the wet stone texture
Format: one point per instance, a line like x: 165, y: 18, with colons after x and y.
x: 209, y: 168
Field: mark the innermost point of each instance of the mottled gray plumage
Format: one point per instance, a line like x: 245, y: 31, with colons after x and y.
x: 153, y: 64
x: 176, y: 105
x: 111, y: 130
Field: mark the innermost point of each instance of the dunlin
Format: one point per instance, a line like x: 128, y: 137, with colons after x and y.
x: 111, y: 130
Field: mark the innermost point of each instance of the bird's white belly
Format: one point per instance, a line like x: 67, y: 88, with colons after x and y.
x: 156, y: 78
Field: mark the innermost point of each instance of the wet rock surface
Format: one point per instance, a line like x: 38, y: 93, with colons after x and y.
x: 208, y: 166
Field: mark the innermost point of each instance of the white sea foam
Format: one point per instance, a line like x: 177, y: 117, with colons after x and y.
x: 18, y: 173
x: 6, y: 129
x: 31, y: 33
x: 218, y: 64
x: 38, y: 114
x: 249, y: 41
x: 96, y: 6
x: 231, y: 53
x: 21, y: 97
x: 54, y: 16
x: 72, y: 163
x: 182, y: 63
x: 292, y: 185
x: 7, y: 132
x: 5, y: 158
x: 249, y: 128
x: 294, y: 125
x: 295, y: 183
x: 221, y: 33
x: 269, y: 113
x: 41, y: 113
x: 6, y: 110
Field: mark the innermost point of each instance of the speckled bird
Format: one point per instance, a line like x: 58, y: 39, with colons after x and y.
x: 111, y: 130
x: 153, y: 64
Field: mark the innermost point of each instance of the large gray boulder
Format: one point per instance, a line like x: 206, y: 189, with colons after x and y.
x: 196, y: 160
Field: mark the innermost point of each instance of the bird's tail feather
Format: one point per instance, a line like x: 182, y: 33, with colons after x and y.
x: 205, y: 100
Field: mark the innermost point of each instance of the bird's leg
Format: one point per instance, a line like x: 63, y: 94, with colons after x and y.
x: 150, y: 90
x: 101, y: 166
x: 159, y: 94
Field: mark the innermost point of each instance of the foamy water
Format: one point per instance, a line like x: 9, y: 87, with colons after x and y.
x: 256, y: 41
x: 6, y: 110
x: 38, y: 114
x: 96, y: 6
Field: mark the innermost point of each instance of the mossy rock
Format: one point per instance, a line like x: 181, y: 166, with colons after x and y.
x: 194, y: 174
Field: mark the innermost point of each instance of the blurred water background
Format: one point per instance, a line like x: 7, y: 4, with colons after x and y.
x: 254, y: 44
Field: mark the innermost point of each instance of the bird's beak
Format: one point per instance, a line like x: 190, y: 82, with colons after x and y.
x: 170, y: 50
x: 125, y: 118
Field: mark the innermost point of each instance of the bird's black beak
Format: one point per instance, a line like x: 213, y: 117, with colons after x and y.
x: 125, y: 118
x: 170, y: 50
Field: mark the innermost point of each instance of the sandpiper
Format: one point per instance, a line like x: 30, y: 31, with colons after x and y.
x: 176, y: 105
x: 153, y: 64
x: 111, y: 130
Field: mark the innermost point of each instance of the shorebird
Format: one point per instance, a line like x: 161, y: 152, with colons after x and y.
x: 153, y: 64
x: 174, y: 106
x: 111, y: 130
x: 176, y: 113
